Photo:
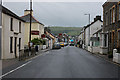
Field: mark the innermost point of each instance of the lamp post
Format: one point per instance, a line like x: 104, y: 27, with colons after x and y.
x: 30, y: 24
x: 89, y: 28
x: 0, y: 28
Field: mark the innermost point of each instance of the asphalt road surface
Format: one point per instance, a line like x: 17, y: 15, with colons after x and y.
x: 68, y: 62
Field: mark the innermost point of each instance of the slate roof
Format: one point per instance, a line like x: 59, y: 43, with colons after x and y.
x: 10, y: 13
x: 92, y: 23
x: 98, y: 31
x: 27, y: 19
x: 47, y: 36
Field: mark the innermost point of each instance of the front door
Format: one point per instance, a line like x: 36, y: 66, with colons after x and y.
x: 15, y: 47
x: 113, y: 39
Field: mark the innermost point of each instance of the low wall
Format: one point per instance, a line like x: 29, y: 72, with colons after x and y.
x: 89, y: 48
x: 103, y: 50
x: 95, y: 49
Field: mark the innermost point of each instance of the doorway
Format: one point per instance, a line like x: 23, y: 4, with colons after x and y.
x: 15, y: 47
x: 113, y: 39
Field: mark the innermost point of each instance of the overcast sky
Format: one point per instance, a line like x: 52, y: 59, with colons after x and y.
x: 69, y: 14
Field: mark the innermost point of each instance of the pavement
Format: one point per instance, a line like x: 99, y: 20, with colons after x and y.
x: 10, y: 64
x: 68, y: 62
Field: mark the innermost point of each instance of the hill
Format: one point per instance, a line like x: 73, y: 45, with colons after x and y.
x: 72, y: 31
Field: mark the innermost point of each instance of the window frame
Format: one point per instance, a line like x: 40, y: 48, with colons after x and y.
x: 113, y: 14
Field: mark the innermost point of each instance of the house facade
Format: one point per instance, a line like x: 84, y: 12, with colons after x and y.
x: 37, y: 28
x: 12, y: 34
x: 95, y: 41
x: 94, y: 27
x: 111, y: 25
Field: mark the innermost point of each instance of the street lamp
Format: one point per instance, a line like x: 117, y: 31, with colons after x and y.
x: 89, y: 17
x: 89, y: 28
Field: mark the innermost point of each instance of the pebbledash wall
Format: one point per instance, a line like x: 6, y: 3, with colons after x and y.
x: 7, y: 34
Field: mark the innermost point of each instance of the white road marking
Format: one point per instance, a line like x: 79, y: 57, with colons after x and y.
x: 15, y: 69
x: 0, y: 26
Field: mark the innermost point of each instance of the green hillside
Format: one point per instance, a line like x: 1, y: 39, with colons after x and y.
x: 72, y: 31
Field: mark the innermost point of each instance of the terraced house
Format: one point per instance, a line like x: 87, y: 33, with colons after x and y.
x: 12, y: 34
x: 37, y: 28
x: 111, y: 25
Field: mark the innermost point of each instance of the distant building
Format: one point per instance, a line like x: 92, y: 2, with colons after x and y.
x: 81, y: 38
x: 111, y: 26
x: 51, y: 38
x: 37, y: 28
x: 12, y: 34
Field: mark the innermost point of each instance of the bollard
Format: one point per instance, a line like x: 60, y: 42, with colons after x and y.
x: 114, y: 51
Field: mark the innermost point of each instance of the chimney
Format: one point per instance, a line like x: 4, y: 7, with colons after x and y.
x: 97, y: 18
x: 27, y: 12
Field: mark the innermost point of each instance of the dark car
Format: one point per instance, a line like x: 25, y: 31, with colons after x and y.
x: 71, y: 44
x: 56, y: 46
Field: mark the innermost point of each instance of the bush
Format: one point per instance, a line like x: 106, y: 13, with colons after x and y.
x: 44, y: 42
x: 37, y: 41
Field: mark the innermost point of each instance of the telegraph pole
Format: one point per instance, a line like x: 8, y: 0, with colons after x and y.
x: 89, y: 27
x: 30, y: 24
x: 0, y: 29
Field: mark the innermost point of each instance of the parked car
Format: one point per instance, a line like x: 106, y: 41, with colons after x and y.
x: 56, y: 46
x: 62, y: 44
x: 65, y: 44
x: 71, y: 44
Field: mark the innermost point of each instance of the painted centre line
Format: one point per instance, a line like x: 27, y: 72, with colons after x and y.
x: 15, y: 69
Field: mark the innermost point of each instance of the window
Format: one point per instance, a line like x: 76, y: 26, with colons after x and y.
x: 19, y: 27
x: 11, y: 44
x: 110, y: 37
x: 113, y: 14
x: 11, y: 24
x: 106, y: 18
x: 119, y: 12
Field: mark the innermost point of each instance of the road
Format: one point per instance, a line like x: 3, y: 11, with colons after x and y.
x: 68, y: 62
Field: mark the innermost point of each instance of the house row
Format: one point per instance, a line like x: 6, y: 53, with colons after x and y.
x: 15, y: 32
x: 104, y: 35
x: 88, y: 37
x: 49, y: 37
